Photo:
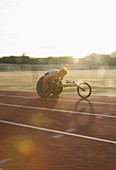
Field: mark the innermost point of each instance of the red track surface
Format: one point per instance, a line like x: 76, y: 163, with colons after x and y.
x: 85, y: 138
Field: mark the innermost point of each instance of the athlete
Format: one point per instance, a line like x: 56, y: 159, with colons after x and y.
x: 54, y: 74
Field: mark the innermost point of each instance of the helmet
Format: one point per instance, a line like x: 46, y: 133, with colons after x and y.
x: 63, y: 70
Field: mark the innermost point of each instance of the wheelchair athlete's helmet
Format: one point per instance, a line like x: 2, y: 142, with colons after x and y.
x: 63, y: 70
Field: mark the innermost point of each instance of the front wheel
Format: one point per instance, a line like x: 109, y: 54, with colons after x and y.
x: 84, y: 90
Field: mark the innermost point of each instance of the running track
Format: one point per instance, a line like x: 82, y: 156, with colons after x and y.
x: 57, y: 133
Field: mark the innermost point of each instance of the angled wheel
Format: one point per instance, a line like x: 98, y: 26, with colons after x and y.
x: 84, y: 90
x: 57, y: 89
x: 41, y: 90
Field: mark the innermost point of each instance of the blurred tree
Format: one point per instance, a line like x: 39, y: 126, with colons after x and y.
x: 95, y: 60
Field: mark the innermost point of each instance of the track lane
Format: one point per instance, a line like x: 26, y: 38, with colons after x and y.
x: 53, y: 98
x: 59, y: 104
x: 61, y: 96
x: 44, y: 152
x: 82, y: 121
x: 59, y: 132
x: 63, y: 152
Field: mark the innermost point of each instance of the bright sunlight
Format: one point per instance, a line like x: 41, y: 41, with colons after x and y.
x: 43, y: 28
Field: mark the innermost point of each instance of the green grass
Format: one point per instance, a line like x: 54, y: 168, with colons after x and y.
x: 102, y: 81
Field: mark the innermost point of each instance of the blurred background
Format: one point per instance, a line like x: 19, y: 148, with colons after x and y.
x: 39, y: 35
x: 23, y: 72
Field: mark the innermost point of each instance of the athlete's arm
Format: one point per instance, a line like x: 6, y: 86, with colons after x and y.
x: 52, y: 74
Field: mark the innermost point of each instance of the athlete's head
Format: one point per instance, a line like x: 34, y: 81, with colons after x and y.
x: 63, y: 70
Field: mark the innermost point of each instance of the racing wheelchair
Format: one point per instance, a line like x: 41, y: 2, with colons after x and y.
x: 55, y: 87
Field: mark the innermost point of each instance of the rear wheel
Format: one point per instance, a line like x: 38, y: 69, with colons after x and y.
x: 84, y: 90
x: 57, y: 88
x: 41, y: 90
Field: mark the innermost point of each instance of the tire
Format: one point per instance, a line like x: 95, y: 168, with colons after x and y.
x: 86, y: 92
x: 57, y: 89
x: 42, y: 92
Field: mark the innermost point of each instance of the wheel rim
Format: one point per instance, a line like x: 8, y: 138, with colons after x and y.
x: 86, y: 92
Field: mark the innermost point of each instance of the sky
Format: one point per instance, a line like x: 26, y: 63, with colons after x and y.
x: 42, y: 28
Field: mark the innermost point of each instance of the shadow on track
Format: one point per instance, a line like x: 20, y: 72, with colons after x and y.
x: 81, y: 120
x: 45, y: 102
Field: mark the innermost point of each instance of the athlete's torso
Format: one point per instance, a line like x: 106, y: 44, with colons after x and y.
x: 52, y: 70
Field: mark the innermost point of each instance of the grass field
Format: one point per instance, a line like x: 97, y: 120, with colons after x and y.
x: 102, y: 81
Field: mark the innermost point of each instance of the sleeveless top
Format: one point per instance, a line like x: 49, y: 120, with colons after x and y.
x: 51, y: 71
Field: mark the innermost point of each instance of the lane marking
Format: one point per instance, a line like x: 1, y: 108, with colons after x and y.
x: 100, y: 116
x: 69, y: 93
x: 5, y: 160
x: 11, y: 90
x: 59, y: 132
x: 64, y: 100
x: 56, y: 110
x: 59, y: 135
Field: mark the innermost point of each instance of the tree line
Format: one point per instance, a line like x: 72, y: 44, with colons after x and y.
x: 97, y: 60
x: 28, y: 60
x: 92, y: 60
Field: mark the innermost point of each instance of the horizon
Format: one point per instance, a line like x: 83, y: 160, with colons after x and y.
x: 24, y: 54
x: 43, y: 28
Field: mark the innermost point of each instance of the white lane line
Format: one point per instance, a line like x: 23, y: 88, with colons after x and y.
x: 59, y: 135
x: 5, y: 160
x: 59, y: 132
x: 101, y: 116
x: 64, y: 100
x: 11, y: 90
x: 56, y: 110
x: 67, y: 93
x: 23, y: 97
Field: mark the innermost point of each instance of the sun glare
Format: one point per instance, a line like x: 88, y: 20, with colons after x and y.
x: 57, y: 28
